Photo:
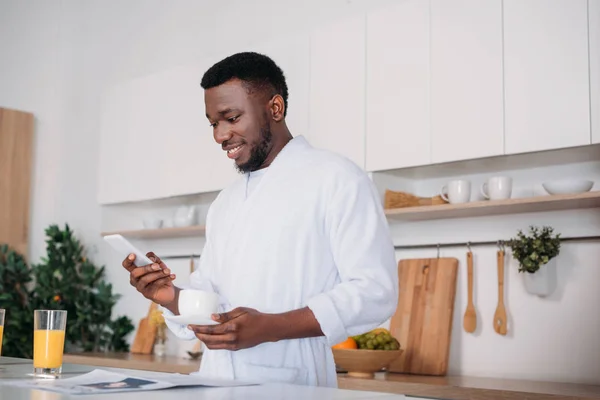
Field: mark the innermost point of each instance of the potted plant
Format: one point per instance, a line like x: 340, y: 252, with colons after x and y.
x: 536, y: 253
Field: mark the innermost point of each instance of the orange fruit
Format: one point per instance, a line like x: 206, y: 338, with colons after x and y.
x: 346, y: 344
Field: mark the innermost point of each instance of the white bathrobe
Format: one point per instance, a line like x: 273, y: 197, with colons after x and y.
x: 311, y: 232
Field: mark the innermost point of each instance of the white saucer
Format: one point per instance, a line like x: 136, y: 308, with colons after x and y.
x: 191, y: 319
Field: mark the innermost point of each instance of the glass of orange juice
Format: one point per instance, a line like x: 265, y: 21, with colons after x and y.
x: 1, y: 328
x: 48, y: 341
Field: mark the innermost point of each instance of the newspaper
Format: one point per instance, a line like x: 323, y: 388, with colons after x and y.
x: 101, y: 381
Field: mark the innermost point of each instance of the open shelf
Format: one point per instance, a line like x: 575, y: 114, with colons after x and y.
x: 162, y: 233
x: 497, y: 207
x: 444, y: 211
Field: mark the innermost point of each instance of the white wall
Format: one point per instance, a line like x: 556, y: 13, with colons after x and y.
x: 57, y: 59
x: 553, y: 338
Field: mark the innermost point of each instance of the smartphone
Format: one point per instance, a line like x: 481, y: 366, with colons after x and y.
x: 125, y: 248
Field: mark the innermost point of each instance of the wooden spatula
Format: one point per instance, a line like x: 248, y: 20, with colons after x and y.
x: 470, y: 318
x: 500, y: 314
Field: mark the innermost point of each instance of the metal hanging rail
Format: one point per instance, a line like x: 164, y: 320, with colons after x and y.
x: 429, y: 245
x: 484, y: 243
x: 179, y: 256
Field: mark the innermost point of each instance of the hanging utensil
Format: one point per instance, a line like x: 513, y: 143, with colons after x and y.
x: 500, y: 314
x: 470, y: 318
x: 191, y: 264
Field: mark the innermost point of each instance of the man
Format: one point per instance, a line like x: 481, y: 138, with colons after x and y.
x: 298, y: 247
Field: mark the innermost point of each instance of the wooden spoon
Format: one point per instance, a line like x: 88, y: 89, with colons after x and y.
x: 500, y: 314
x: 470, y: 318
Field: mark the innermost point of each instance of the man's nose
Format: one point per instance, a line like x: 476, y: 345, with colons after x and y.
x: 221, y: 134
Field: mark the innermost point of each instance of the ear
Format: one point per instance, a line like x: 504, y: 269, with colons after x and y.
x: 277, y: 108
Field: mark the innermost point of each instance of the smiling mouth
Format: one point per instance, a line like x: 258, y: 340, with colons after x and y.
x: 235, y: 152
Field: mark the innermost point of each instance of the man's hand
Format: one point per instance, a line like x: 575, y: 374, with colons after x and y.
x: 154, y: 281
x: 244, y: 327
x: 239, y: 329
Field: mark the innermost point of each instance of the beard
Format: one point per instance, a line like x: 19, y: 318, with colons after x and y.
x: 258, y: 152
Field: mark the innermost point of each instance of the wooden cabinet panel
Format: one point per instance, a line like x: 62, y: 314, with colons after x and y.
x: 16, y: 149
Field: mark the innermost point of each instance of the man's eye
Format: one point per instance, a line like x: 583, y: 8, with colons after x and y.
x: 213, y: 125
x: 233, y: 119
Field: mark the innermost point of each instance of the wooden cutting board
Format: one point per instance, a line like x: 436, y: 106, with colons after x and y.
x: 423, y: 320
x: 145, y: 335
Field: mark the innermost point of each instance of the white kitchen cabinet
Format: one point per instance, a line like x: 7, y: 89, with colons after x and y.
x: 156, y: 141
x: 196, y: 162
x: 129, y: 157
x: 594, y: 18
x: 466, y: 80
x: 337, y: 88
x: 398, y: 116
x: 546, y: 73
x: 291, y: 53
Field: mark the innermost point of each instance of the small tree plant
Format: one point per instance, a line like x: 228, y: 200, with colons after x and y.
x: 535, y: 249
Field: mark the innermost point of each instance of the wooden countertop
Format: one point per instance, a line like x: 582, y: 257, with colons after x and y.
x: 148, y: 362
x: 470, y: 388
x: 448, y: 387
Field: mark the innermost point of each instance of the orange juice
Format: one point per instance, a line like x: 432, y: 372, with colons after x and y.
x: 48, y: 348
x: 1, y: 333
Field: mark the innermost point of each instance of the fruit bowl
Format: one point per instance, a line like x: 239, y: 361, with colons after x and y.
x: 362, y: 363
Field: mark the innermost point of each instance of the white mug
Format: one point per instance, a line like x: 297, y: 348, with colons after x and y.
x: 456, y: 192
x: 497, y: 188
x: 198, y: 303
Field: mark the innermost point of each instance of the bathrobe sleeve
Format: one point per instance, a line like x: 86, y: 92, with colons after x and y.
x: 199, y: 279
x: 367, y: 293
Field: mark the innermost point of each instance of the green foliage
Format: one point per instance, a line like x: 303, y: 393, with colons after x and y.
x: 535, y: 249
x: 67, y: 280
x: 17, y: 300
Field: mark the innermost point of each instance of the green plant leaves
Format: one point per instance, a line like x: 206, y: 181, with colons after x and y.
x: 64, y: 280
x: 535, y: 249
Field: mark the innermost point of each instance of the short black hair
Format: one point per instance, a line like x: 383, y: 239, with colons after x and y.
x: 258, y: 71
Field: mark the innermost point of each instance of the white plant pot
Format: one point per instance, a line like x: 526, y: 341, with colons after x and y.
x: 542, y: 282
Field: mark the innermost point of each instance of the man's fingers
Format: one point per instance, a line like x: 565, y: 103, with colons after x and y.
x: 156, y: 259
x: 150, y: 278
x: 226, y: 341
x: 214, y: 329
x: 224, y: 317
x: 128, y: 263
x: 148, y: 269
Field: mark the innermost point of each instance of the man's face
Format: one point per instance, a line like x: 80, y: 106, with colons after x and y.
x: 240, y: 123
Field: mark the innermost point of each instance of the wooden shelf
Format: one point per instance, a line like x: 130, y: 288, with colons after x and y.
x: 497, y: 207
x: 162, y: 233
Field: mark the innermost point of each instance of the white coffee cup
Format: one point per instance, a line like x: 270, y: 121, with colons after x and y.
x: 497, y: 188
x: 198, y: 303
x: 455, y: 192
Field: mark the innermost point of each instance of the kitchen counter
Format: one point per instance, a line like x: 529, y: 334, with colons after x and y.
x: 467, y: 388
x: 449, y: 387
x: 16, y: 369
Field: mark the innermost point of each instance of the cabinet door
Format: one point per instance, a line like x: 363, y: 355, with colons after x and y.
x: 337, y: 88
x: 291, y: 53
x: 195, y: 162
x: 398, y: 129
x: 466, y: 80
x: 546, y: 72
x: 129, y: 165
x: 594, y: 16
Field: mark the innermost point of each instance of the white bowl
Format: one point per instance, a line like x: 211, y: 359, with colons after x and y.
x: 570, y: 186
